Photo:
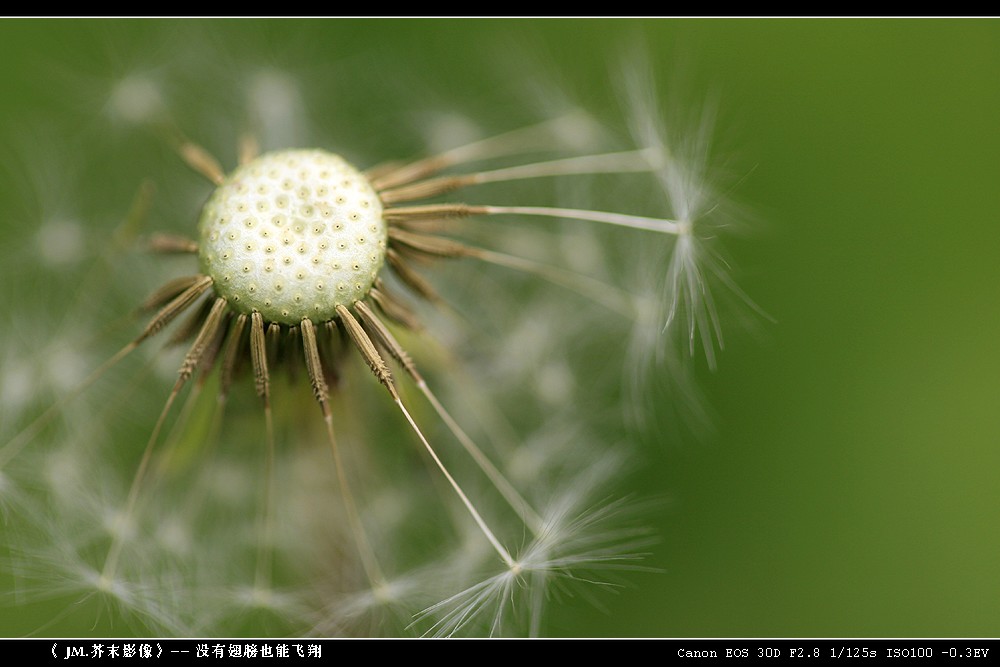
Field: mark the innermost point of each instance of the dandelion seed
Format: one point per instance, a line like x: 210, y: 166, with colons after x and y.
x: 695, y: 271
x: 135, y: 99
x: 301, y: 265
x: 60, y: 242
x: 575, y: 543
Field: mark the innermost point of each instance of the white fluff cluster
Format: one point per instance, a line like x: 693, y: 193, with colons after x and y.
x: 220, y: 533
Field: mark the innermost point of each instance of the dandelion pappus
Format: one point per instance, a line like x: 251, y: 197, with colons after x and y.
x: 301, y: 258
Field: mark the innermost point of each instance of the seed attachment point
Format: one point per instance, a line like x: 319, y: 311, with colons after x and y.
x: 326, y: 223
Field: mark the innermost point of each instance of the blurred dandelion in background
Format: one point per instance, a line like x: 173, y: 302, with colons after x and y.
x: 391, y: 415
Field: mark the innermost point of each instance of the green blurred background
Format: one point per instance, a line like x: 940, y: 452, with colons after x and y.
x: 852, y: 486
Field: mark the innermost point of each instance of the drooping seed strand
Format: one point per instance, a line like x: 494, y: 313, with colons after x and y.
x: 599, y: 292
x: 168, y: 291
x: 191, y: 360
x: 661, y: 225
x: 506, y: 489
x: 258, y: 357
x: 190, y: 326
x: 434, y: 187
x: 249, y: 148
x: 367, y: 349
x: 230, y: 355
x: 385, y: 338
x: 262, y: 382
x: 204, y: 338
x: 314, y: 366
x: 178, y: 305
x: 432, y: 211
x: 490, y: 536
x: 547, y: 135
x: 437, y: 246
x: 393, y: 308
x: 171, y: 244
x: 610, y: 163
x: 201, y: 161
x: 370, y: 564
x: 411, y: 278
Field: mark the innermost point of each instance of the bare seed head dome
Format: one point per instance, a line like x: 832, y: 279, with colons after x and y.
x: 293, y: 234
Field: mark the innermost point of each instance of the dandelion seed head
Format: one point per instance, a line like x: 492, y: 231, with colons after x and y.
x: 119, y: 524
x: 231, y: 485
x: 578, y: 130
x: 525, y: 463
x: 583, y: 253
x: 387, y: 603
x: 258, y: 597
x: 274, y: 102
x: 17, y: 385
x: 65, y: 367
x: 555, y: 383
x: 9, y: 494
x: 164, y: 363
x: 220, y: 505
x: 446, y: 129
x: 135, y: 99
x: 687, y: 294
x: 533, y: 351
x: 175, y: 536
x: 147, y: 606
x: 60, y: 242
x: 63, y: 471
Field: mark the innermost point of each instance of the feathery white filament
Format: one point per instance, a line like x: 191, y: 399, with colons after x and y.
x: 661, y: 225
